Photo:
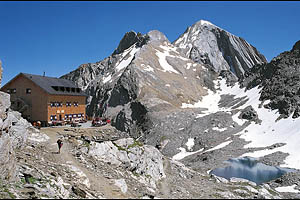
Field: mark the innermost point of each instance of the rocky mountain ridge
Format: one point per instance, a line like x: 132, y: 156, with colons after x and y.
x: 279, y: 81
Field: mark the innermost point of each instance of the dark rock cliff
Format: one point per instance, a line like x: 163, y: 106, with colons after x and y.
x: 280, y: 82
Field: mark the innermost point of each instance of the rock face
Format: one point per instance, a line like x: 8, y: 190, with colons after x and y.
x: 280, y: 82
x: 206, y: 43
x: 14, y: 133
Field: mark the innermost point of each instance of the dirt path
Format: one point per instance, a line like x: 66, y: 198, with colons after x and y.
x: 164, y: 184
x: 94, y: 181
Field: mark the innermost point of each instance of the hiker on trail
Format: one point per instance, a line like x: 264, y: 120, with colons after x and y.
x: 59, y: 143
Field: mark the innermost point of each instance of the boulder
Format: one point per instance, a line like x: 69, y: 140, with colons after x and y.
x: 144, y: 160
x: 249, y: 113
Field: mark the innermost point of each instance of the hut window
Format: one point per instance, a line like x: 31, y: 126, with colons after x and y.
x: 73, y: 89
x: 77, y: 90
x: 53, y: 117
x: 8, y: 91
x: 14, y: 91
x: 68, y: 104
x: 62, y: 89
x: 67, y: 89
x: 55, y: 88
x: 75, y: 104
x: 28, y: 91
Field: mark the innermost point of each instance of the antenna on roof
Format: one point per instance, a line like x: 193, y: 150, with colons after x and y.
x: 44, y: 73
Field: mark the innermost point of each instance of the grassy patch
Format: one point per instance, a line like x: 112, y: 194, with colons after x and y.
x: 86, y: 144
x: 11, y: 195
x: 23, y: 180
x: 32, y: 180
x: 135, y: 143
x: 163, y: 138
x: 121, y: 148
x: 136, y: 174
x: 148, y: 176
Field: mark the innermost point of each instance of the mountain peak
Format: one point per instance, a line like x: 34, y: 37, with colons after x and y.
x: 204, y: 22
x: 209, y: 44
x: 156, y: 35
x: 129, y: 39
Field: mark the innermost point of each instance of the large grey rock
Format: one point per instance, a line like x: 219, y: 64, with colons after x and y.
x: 250, y: 114
x: 141, y: 159
x: 206, y: 43
x: 4, y: 104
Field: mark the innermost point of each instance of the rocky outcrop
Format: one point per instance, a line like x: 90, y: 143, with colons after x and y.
x: 14, y: 133
x: 280, y: 82
x: 250, y: 114
x: 144, y: 160
x: 206, y: 43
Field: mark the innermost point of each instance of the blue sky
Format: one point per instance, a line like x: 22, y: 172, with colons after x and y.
x: 56, y: 37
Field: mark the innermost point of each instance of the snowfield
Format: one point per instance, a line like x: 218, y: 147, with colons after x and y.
x: 267, y: 133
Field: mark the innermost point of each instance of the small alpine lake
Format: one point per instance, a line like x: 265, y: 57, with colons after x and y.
x: 249, y: 168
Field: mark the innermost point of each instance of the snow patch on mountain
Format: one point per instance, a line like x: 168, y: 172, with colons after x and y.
x: 219, y: 129
x: 271, y: 132
x: 222, y: 145
x: 147, y: 68
x: 166, y: 52
x: 125, y: 62
x: 190, y: 143
x: 290, y: 188
x: 183, y: 153
x: 163, y: 62
x: 106, y: 79
x: 211, y: 101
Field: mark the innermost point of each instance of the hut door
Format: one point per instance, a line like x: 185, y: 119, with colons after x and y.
x: 60, y: 118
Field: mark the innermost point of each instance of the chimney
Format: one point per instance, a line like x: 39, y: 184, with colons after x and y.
x: 44, y: 73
